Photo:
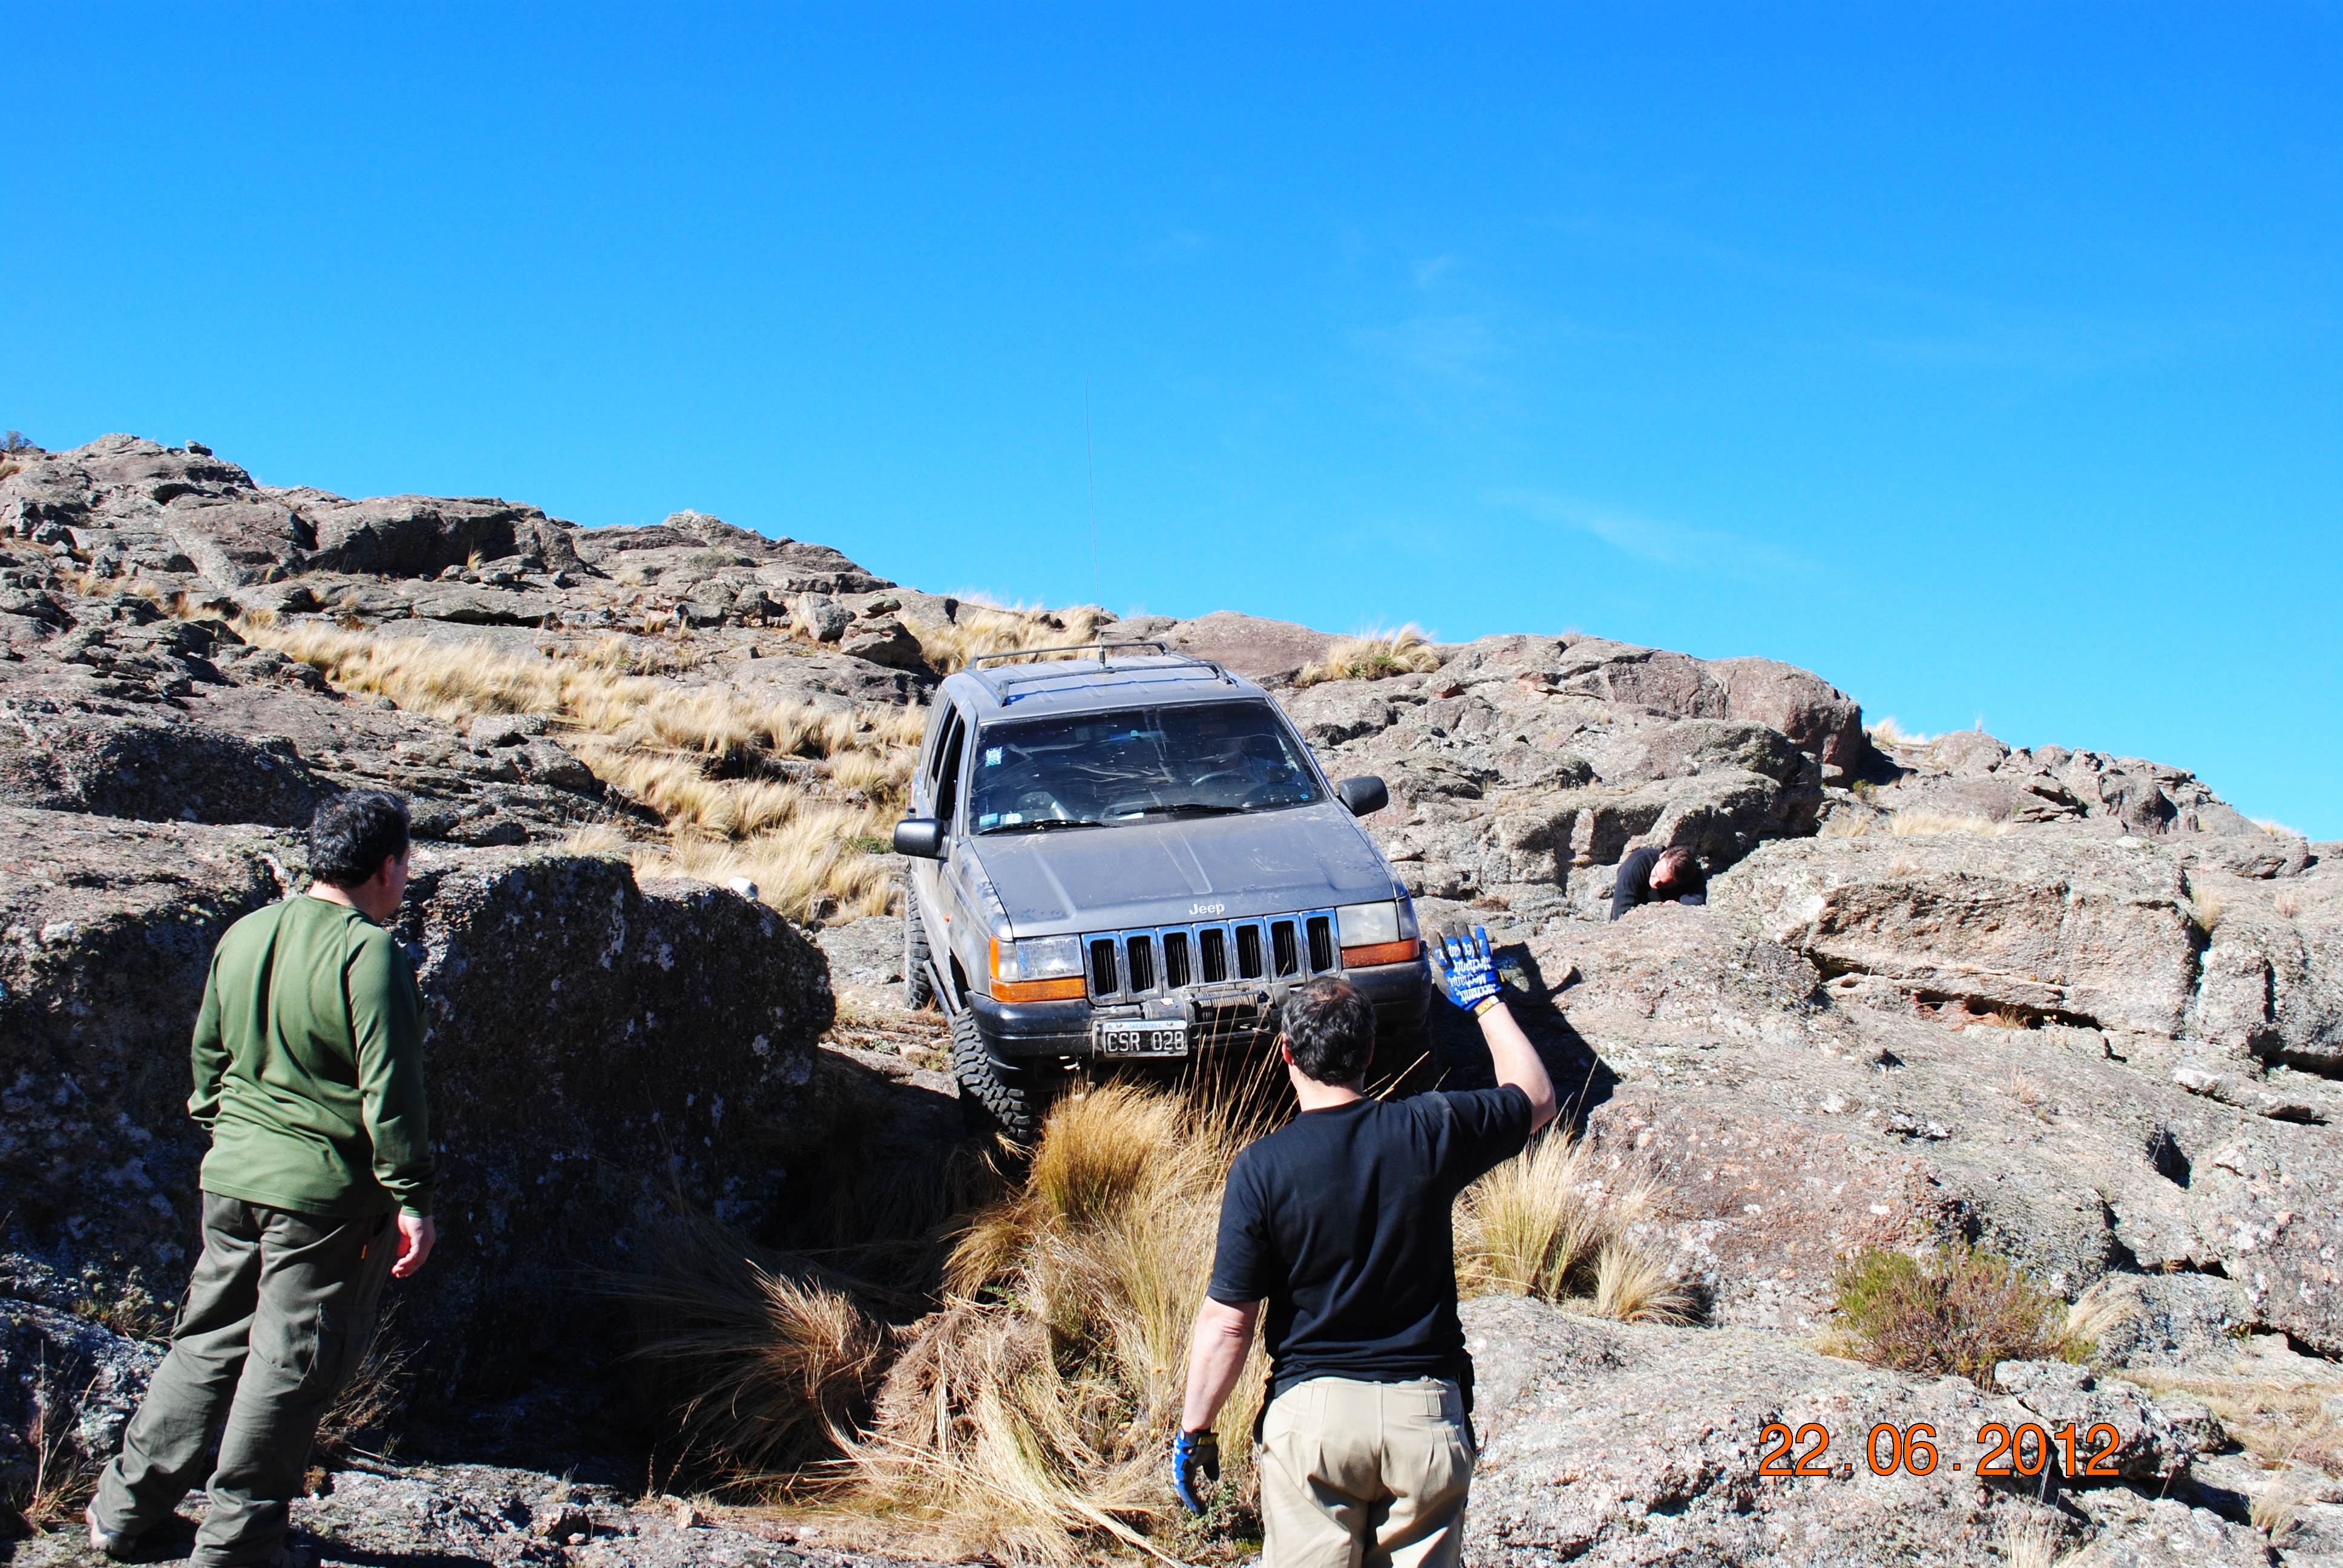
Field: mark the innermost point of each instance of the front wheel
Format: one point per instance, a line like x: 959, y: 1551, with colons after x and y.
x: 916, y: 991
x: 995, y: 1100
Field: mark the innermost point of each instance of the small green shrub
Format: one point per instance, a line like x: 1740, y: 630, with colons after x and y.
x: 1960, y: 1310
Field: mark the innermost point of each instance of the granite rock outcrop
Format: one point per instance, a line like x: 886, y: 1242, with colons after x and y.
x: 2070, y: 1005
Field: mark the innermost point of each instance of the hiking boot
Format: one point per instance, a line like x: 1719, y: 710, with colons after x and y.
x: 120, y: 1547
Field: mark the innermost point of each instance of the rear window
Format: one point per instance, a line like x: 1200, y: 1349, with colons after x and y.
x: 1136, y: 765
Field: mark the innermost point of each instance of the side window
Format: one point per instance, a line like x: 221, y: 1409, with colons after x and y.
x: 932, y: 753
x: 947, y: 751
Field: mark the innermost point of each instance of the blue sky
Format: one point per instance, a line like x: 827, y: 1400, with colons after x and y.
x: 1982, y: 358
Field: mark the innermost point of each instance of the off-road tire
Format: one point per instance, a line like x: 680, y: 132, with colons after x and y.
x: 995, y: 1100
x: 916, y: 991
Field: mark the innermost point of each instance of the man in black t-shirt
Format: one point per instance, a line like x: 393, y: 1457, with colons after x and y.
x: 1657, y: 876
x: 1339, y: 1222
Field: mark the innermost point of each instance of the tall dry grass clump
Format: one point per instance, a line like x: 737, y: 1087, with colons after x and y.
x: 1372, y: 656
x: 793, y: 795
x: 1034, y: 1412
x: 2278, y: 1409
x: 976, y: 630
x: 760, y: 1366
x: 1544, y: 1225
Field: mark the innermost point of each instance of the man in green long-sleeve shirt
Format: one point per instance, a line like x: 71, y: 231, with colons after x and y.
x: 308, y: 1067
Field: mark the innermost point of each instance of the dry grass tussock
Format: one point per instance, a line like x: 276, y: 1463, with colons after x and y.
x: 1033, y: 1414
x: 1546, y: 1225
x: 2279, y: 1413
x: 978, y: 629
x: 57, y: 1482
x: 1889, y: 736
x: 1915, y: 824
x: 1027, y: 1419
x: 709, y: 760
x: 2206, y: 907
x: 2030, y: 1539
x: 1372, y: 656
x: 762, y: 1366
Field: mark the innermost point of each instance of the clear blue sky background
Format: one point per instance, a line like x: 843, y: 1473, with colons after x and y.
x: 1982, y: 358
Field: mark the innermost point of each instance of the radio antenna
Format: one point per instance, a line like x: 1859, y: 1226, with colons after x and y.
x: 1089, y: 459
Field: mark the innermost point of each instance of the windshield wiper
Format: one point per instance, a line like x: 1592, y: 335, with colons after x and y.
x: 1038, y: 825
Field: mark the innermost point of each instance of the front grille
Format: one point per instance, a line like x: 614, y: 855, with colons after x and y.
x: 1130, y: 965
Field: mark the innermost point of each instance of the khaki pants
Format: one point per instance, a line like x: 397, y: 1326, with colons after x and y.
x: 278, y: 1315
x: 1364, y: 1475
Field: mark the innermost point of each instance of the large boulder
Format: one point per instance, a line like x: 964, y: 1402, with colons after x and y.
x: 692, y: 546
x: 106, y: 930
x: 1815, y: 716
x: 1621, y: 1444
x: 1966, y: 772
x: 2087, y: 931
x: 421, y: 536
x: 1251, y: 645
x: 63, y: 757
x: 598, y: 1050
x: 1778, y: 1121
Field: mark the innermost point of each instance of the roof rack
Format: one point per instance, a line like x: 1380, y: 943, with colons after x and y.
x: 998, y: 681
x: 1069, y: 648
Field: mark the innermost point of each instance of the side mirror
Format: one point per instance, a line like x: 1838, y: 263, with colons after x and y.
x: 920, y: 836
x: 1365, y: 795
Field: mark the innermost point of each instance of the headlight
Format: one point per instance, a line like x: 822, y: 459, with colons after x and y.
x: 1378, y: 933
x: 1039, y: 969
x: 1408, y: 929
x: 1037, y: 957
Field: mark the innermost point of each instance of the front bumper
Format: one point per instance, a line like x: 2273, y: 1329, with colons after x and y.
x: 1227, y: 1017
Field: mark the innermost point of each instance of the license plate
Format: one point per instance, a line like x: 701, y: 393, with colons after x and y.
x: 1140, y: 1037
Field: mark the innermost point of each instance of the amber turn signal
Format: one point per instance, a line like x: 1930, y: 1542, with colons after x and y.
x: 1070, y: 989
x: 1381, y: 953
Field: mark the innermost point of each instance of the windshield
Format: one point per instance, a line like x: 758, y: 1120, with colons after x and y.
x: 1136, y: 765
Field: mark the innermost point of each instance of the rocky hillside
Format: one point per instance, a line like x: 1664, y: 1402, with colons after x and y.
x: 2069, y: 1004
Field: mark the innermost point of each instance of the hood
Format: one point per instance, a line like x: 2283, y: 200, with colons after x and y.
x: 1174, y: 873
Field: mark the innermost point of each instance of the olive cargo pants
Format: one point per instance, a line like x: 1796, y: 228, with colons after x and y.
x: 278, y: 1317
x: 1364, y: 1475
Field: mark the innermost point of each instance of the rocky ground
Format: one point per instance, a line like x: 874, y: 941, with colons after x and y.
x: 2068, y: 1004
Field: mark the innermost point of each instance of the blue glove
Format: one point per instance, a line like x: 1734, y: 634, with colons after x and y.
x: 1469, y: 970
x: 1195, y: 1465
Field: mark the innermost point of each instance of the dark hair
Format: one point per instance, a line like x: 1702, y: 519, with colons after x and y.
x: 1331, y: 1030
x: 1673, y: 862
x: 352, y: 835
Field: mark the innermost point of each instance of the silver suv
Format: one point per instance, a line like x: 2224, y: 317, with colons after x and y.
x: 1131, y: 854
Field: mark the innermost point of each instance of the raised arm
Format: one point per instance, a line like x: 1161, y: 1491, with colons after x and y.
x: 1469, y: 971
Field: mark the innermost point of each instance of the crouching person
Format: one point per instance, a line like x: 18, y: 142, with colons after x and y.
x: 308, y: 1068
x: 1339, y: 1221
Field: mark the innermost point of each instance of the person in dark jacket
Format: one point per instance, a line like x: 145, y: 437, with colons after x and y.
x: 1658, y: 876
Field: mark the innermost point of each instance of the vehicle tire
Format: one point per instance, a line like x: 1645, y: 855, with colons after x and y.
x: 916, y: 991
x: 995, y: 1100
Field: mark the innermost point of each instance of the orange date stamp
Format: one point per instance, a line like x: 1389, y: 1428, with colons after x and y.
x: 2026, y: 1450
